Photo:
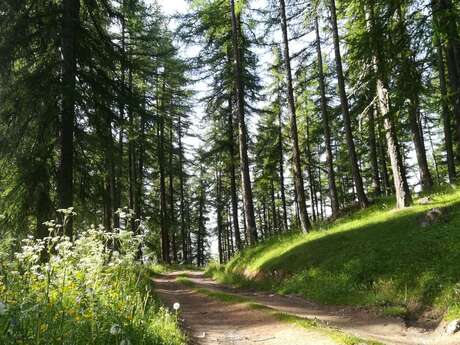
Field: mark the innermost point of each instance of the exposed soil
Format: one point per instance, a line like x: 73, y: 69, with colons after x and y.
x: 208, y: 321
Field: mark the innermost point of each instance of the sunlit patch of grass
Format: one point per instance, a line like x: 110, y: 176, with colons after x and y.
x: 380, y: 258
x: 185, y: 281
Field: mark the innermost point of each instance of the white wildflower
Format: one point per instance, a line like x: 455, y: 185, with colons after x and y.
x: 115, y: 329
x: 125, y: 342
x: 176, y: 306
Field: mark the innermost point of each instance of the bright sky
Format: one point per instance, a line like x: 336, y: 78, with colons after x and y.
x: 171, y: 6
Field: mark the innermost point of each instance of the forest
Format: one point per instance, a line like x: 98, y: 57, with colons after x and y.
x: 294, y: 147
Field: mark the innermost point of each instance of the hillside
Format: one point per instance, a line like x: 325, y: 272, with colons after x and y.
x: 380, y: 258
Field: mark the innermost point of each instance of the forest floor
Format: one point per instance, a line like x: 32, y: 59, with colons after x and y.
x: 213, y: 313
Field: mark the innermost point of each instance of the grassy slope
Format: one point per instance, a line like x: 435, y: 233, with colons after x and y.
x: 379, y: 257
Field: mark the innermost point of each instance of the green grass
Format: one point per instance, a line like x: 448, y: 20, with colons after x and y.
x: 335, y: 334
x: 158, y: 269
x: 185, y: 281
x: 379, y: 258
x: 84, y: 294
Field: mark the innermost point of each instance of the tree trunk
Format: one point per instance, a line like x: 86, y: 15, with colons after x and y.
x: 131, y: 149
x: 172, y: 215
x: 311, y: 177
x: 201, y: 225
x: 281, y: 170
x: 383, y: 161
x: 231, y: 167
x: 70, y: 28
x: 373, y: 151
x: 403, y: 196
x: 326, y: 128
x: 163, y: 211
x: 417, y: 138
x: 276, y: 225
x: 118, y: 167
x: 297, y: 169
x: 430, y: 140
x: 140, y: 171
x: 242, y: 135
x: 362, y: 199
x: 182, y: 197
x: 219, y: 215
x: 109, y: 176
x: 446, y: 115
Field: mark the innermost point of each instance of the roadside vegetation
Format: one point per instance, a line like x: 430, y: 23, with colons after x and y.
x: 89, y: 291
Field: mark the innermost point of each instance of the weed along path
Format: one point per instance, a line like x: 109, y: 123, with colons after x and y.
x: 216, y: 314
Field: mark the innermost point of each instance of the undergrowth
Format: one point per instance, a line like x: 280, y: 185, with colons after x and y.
x: 89, y: 291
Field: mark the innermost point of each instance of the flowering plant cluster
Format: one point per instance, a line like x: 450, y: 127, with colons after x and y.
x: 88, y: 291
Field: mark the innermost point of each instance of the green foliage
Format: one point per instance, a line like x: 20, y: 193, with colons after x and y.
x: 379, y: 257
x: 86, y: 293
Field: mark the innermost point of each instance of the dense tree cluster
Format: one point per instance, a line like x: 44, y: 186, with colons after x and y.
x: 365, y: 108
x: 359, y: 99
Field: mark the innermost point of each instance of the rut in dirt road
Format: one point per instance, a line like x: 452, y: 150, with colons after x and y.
x: 207, y: 321
x: 237, y: 323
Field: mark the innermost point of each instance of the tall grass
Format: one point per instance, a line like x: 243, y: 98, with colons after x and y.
x: 89, y: 291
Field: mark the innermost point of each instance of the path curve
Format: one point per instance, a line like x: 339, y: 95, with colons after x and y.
x: 230, y: 320
x: 210, y: 322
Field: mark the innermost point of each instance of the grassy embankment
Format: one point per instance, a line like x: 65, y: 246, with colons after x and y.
x: 379, y: 258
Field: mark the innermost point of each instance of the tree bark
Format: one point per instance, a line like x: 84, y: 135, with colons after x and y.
x: 140, y: 170
x: 242, y: 132
x: 231, y: 167
x: 165, y: 249
x: 446, y: 115
x: 281, y: 170
x: 403, y: 196
x: 383, y: 160
x: 276, y: 226
x: 131, y: 151
x: 373, y: 151
x: 182, y: 196
x: 172, y: 213
x: 362, y: 198
x: 417, y: 138
x: 326, y: 127
x: 297, y: 169
x: 70, y: 28
x: 219, y: 215
x: 201, y: 220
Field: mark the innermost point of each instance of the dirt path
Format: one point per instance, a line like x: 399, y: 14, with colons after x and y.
x: 222, y: 323
x: 207, y: 321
